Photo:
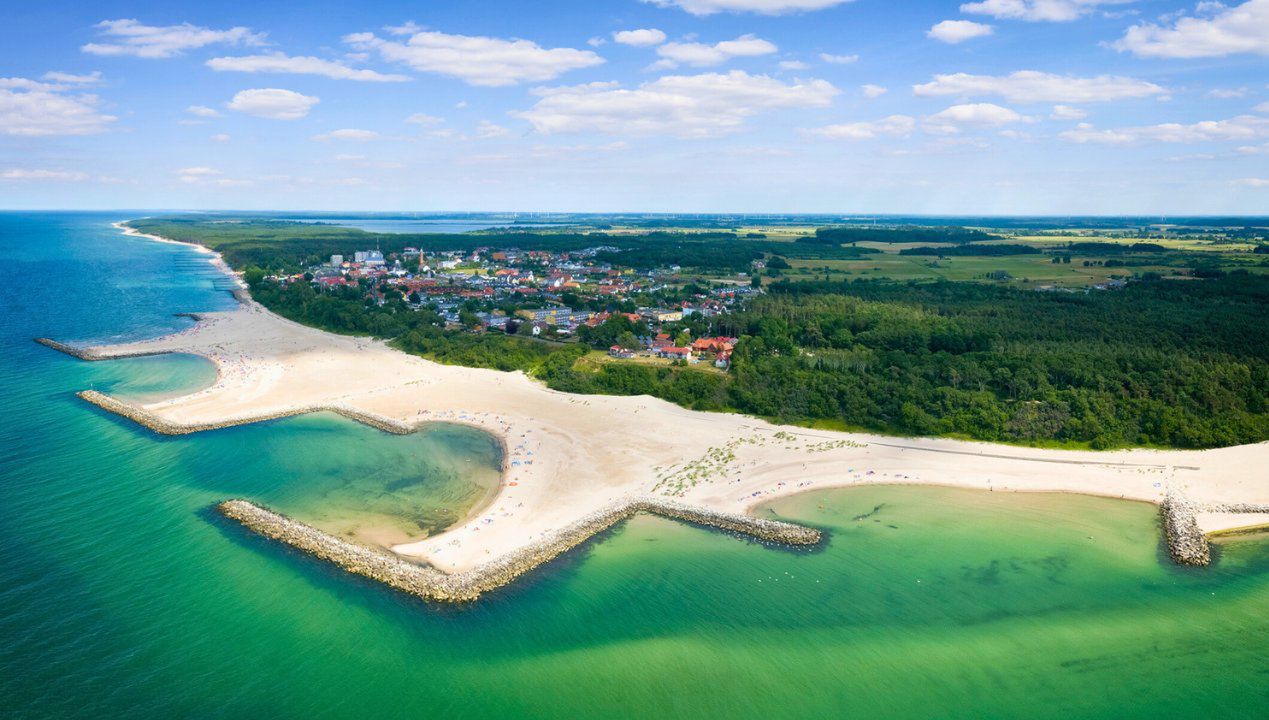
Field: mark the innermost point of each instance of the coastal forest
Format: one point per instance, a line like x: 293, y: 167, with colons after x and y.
x: 1158, y: 362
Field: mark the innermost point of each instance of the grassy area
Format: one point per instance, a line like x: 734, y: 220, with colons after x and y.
x: 1027, y: 269
x: 596, y: 358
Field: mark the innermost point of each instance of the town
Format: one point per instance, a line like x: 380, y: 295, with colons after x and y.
x: 549, y: 296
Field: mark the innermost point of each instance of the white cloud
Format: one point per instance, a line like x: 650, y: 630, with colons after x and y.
x: 280, y: 63
x: 596, y: 41
x: 1243, y: 127
x: 1262, y: 107
x: 487, y: 130
x: 1030, y: 86
x: 483, y: 61
x: 30, y: 108
x: 838, y: 59
x: 951, y: 120
x: 1241, y: 29
x: 202, y: 111
x: 347, y: 134
x: 273, y: 103
x: 893, y: 126
x: 220, y: 137
x: 40, y: 174
x: 682, y: 105
x: 793, y: 65
x: 763, y: 7
x: 56, y: 76
x: 1227, y: 93
x: 874, y: 91
x: 150, y: 41
x: 192, y: 175
x: 958, y: 31
x: 1066, y: 112
x: 639, y: 38
x: 1037, y: 10
x: 424, y: 119
x: 702, y: 55
x: 1253, y: 182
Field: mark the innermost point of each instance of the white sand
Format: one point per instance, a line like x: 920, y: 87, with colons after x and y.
x: 571, y: 454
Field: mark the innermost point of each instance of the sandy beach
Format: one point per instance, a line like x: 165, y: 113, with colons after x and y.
x: 569, y: 455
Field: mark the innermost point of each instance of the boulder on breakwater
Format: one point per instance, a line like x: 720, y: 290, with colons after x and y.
x: 428, y: 583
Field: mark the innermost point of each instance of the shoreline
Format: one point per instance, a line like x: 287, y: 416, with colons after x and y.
x: 565, y: 456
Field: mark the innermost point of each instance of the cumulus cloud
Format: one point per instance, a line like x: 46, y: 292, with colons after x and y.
x: 1262, y: 107
x: 892, y: 126
x: 129, y: 37
x: 273, y: 103
x: 645, y: 37
x: 1227, y: 93
x: 702, y: 55
x: 793, y: 65
x: 1229, y: 31
x: 1253, y: 182
x: 953, y: 119
x: 55, y: 76
x: 1030, y: 86
x: 347, y: 134
x: 31, y: 108
x: 874, y: 91
x: 41, y: 174
x: 762, y: 7
x: 220, y: 137
x: 424, y: 119
x: 1037, y: 10
x: 307, y: 65
x: 202, y: 111
x: 838, y: 59
x: 958, y: 31
x: 703, y: 105
x: 1243, y: 127
x: 477, y: 60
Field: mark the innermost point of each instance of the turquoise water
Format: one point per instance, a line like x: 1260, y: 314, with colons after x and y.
x: 122, y: 595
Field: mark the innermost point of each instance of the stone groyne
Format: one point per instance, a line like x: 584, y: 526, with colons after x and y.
x: 81, y: 353
x: 91, y: 355
x: 144, y: 417
x: 1187, y: 544
x: 428, y: 583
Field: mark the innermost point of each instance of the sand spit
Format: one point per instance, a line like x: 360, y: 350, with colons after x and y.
x: 428, y: 583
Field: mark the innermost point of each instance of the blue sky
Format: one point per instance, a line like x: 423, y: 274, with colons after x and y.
x: 924, y: 106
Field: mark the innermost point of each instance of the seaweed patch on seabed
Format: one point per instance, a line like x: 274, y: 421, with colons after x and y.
x: 869, y: 514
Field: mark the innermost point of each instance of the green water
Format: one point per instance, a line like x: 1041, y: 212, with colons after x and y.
x: 122, y: 595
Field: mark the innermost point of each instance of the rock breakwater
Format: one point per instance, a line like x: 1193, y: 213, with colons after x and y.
x: 163, y: 426
x: 1186, y: 542
x: 428, y: 583
x: 92, y: 354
